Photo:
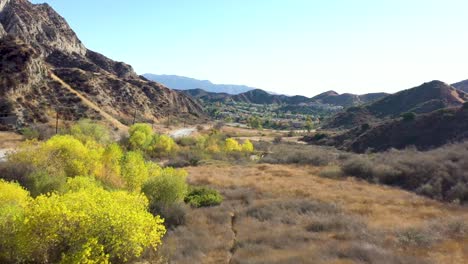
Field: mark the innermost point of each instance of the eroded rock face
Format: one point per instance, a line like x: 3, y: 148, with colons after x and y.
x: 37, y: 44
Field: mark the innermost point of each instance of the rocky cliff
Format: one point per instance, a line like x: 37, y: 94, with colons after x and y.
x: 47, y: 69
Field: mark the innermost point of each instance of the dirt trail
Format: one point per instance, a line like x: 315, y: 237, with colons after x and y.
x: 92, y: 105
x: 233, y: 248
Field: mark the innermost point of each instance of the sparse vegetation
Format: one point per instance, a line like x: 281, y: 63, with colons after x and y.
x: 439, y: 174
x: 203, y: 196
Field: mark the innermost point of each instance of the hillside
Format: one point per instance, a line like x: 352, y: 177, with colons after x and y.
x: 37, y: 44
x: 347, y: 99
x: 185, y: 83
x: 426, y: 131
x: 426, y: 98
x: 463, y: 85
x: 258, y: 96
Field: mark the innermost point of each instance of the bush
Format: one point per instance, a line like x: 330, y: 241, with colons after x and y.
x: 166, y: 187
x: 247, y: 146
x: 134, y: 171
x: 30, y: 133
x: 86, y: 130
x: 465, y: 106
x: 162, y: 145
x: 231, y: 145
x: 298, y: 154
x: 84, y: 225
x: 440, y: 173
x: 278, y: 139
x: 141, y: 136
x: 174, y: 215
x: 409, y: 116
x: 47, y: 164
x: 332, y: 172
x: 203, y: 197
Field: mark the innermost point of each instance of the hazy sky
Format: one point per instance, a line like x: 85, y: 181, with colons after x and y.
x: 288, y: 46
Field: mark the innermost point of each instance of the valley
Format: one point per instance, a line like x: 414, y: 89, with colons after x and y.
x: 99, y: 164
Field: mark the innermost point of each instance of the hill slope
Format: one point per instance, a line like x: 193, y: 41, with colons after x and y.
x: 463, y: 85
x: 425, y: 132
x: 185, y: 83
x: 258, y: 96
x: 37, y: 43
x: 422, y: 99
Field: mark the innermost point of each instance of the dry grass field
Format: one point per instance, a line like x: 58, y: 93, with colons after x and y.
x: 9, y: 140
x: 289, y: 214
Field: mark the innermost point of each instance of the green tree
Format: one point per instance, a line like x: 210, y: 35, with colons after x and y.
x: 254, y: 122
x: 141, y: 136
x: 165, y: 189
x: 309, y: 125
x: 162, y: 145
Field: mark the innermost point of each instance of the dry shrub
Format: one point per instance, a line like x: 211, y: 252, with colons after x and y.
x: 362, y: 252
x: 299, y: 154
x: 440, y: 174
x: 332, y: 172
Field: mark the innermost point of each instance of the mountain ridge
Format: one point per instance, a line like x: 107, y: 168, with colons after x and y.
x: 37, y: 43
x: 425, y: 98
x: 177, y: 82
x: 258, y: 96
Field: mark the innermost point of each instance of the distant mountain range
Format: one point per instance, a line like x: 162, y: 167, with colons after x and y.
x: 185, y: 83
x: 258, y: 96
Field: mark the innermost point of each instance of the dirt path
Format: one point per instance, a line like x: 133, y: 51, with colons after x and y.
x: 233, y: 248
x: 183, y: 132
x: 92, y: 105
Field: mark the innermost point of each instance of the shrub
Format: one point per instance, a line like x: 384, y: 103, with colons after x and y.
x: 319, y: 136
x: 84, y: 225
x: 174, y: 214
x: 141, y: 136
x: 247, y: 146
x: 465, y: 106
x: 277, y: 139
x: 165, y: 189
x: 47, y: 164
x: 333, y: 172
x: 134, y: 171
x: 86, y: 130
x: 187, y: 141
x: 409, y: 116
x: 30, y: 133
x: 162, y: 145
x: 231, y: 145
x: 110, y: 172
x: 439, y: 173
x: 202, y: 197
x: 298, y: 154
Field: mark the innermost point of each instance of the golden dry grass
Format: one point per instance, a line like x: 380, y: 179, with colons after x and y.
x: 380, y: 207
x: 10, y: 140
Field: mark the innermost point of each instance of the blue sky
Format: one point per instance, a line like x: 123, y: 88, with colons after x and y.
x: 289, y: 46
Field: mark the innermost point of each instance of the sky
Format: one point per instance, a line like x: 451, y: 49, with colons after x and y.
x: 285, y: 46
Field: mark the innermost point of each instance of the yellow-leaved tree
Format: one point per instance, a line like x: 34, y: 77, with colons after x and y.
x: 247, y: 146
x: 85, y: 224
x: 231, y: 145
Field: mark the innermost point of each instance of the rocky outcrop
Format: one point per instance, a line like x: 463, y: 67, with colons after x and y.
x: 36, y: 43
